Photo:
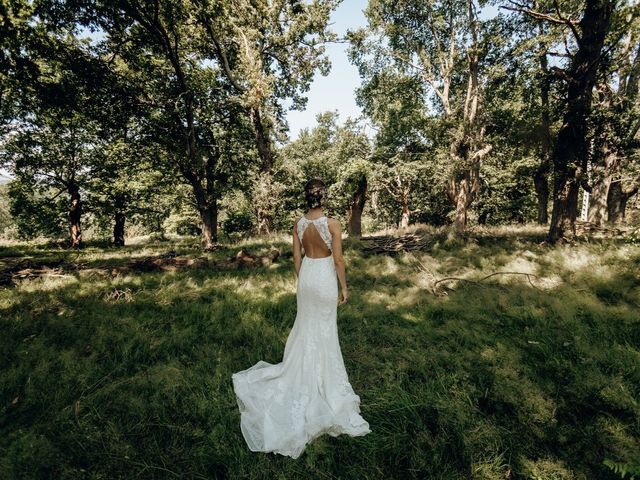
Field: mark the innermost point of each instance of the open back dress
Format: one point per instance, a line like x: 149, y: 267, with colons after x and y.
x: 285, y: 406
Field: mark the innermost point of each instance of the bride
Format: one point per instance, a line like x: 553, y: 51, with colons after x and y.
x: 285, y: 406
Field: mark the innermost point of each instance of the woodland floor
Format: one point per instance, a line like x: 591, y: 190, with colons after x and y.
x: 117, y: 363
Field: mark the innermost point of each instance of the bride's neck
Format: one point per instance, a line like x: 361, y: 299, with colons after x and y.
x: 315, y: 211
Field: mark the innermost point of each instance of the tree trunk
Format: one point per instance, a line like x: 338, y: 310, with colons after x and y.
x: 598, y: 199
x: 404, y: 219
x: 209, y: 219
x: 463, y: 199
x: 571, y: 150
x: 265, y: 194
x: 617, y: 201
x: 206, y: 204
x: 468, y: 148
x: 75, y: 212
x: 356, y: 206
x: 263, y: 141
x: 541, y: 176
x: 608, y: 168
x: 462, y: 192
x: 118, y: 229
x: 265, y: 152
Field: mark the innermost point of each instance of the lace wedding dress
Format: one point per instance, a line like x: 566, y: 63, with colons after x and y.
x: 285, y: 406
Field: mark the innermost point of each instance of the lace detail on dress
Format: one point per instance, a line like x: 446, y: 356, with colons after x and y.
x: 321, y: 224
x: 285, y: 406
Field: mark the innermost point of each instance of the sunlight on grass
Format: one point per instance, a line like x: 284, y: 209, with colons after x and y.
x: 503, y: 377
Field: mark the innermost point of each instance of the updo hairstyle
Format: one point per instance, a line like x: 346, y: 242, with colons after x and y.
x: 315, y: 193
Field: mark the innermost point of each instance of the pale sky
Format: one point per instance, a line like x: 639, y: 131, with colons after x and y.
x: 336, y: 90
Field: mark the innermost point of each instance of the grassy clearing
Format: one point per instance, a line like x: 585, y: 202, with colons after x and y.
x: 508, y: 377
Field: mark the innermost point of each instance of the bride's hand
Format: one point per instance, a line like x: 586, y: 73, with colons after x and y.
x: 345, y: 297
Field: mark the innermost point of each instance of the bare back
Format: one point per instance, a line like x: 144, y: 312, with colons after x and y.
x: 315, y: 237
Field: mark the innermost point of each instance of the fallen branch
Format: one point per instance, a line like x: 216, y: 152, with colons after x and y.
x: 528, y: 275
x: 391, y: 244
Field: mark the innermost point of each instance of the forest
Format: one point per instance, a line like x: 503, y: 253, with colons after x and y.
x: 489, y: 200
x: 169, y: 117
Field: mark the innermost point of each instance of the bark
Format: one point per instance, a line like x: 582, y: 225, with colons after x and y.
x: 265, y: 201
x: 209, y: 219
x: 462, y: 192
x: 207, y: 206
x: 468, y: 148
x: 541, y: 175
x: 571, y: 150
x: 404, y: 219
x: 617, y: 201
x: 208, y: 211
x: 265, y: 151
x: 608, y: 167
x: 356, y: 206
x: 75, y: 213
x: 263, y: 141
x: 598, y: 200
x: 118, y: 229
x: 264, y: 221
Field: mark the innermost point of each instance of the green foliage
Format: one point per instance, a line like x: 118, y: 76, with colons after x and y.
x: 239, y: 215
x: 339, y: 155
x: 35, y: 214
x: 7, y: 222
x: 624, y: 470
x: 506, y: 195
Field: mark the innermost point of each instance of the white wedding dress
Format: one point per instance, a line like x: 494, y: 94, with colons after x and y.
x: 285, y: 406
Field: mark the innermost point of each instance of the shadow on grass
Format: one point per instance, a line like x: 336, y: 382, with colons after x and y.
x: 493, y: 381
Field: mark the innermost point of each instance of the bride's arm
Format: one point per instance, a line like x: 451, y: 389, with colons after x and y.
x: 338, y: 259
x: 297, y: 253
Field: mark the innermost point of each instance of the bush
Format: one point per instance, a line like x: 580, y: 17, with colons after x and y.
x: 238, y: 222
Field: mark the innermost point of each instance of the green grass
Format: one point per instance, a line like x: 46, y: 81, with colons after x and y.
x: 506, y: 377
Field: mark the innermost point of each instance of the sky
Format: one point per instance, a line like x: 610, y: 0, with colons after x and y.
x: 336, y: 91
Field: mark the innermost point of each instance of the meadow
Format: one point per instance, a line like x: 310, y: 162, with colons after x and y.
x: 493, y: 357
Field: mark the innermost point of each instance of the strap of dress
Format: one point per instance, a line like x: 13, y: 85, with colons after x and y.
x: 321, y: 224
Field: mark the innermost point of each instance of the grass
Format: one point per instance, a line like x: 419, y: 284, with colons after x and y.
x: 506, y: 377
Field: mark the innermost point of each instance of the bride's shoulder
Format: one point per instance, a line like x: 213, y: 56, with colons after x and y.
x: 333, y: 223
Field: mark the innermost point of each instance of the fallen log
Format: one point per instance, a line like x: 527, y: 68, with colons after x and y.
x: 245, y: 259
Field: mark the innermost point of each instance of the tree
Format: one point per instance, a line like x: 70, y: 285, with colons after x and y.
x: 339, y: 155
x: 353, y: 173
x: 57, y: 101
x: 55, y: 156
x: 570, y: 154
x: 440, y: 44
x: 158, y: 48
x: 125, y: 184
x: 269, y: 52
x: 614, y: 176
x: 400, y: 177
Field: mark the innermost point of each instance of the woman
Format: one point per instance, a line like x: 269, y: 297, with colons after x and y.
x: 285, y: 406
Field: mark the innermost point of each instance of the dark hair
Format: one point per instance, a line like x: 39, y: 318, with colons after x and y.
x: 315, y: 193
